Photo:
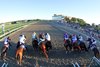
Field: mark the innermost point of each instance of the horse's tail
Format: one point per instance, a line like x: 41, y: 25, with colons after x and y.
x: 44, y: 50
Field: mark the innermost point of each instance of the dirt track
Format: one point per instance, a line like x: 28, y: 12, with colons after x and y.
x: 57, y: 56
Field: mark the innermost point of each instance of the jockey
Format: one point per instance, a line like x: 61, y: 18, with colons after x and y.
x: 74, y: 38
x: 66, y: 37
x: 47, y: 37
x: 92, y: 45
x: 80, y: 39
x: 20, y: 37
x: 94, y: 41
x: 34, y: 36
x: 7, y: 42
x: 22, y: 40
x: 41, y: 38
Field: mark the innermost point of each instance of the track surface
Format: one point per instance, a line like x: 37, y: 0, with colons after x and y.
x: 57, y: 56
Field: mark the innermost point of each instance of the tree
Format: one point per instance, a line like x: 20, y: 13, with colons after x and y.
x: 73, y: 19
x: 66, y: 19
x: 81, y: 22
x: 93, y: 25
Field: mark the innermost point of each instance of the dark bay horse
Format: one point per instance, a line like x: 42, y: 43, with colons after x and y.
x: 83, y: 46
x: 4, y: 50
x: 48, y: 45
x: 67, y: 44
x: 76, y: 46
x: 35, y: 44
x: 93, y: 47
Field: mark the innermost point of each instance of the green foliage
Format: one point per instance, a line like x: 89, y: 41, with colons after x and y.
x: 9, y: 26
x: 93, y: 25
x: 67, y: 19
x: 81, y: 22
x: 73, y: 19
x: 97, y: 27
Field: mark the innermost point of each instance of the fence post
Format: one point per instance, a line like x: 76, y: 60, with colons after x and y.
x: 3, y: 28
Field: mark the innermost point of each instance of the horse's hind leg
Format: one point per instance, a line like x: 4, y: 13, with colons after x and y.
x: 46, y: 55
x: 79, y: 48
x: 17, y: 57
x: 2, y: 56
x: 20, y: 59
x: 3, y: 53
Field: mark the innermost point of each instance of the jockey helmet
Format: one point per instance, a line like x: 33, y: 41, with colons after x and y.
x: 34, y: 33
x: 8, y: 38
x: 73, y: 35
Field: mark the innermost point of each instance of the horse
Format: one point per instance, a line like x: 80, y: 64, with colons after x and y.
x: 83, y: 46
x: 19, y: 54
x: 35, y: 44
x: 76, y: 46
x: 4, y: 50
x: 48, y: 45
x: 67, y: 44
x: 43, y: 49
x: 93, y: 48
x: 96, y: 52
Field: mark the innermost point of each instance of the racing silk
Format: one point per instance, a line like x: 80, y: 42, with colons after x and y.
x: 6, y: 42
x: 34, y: 36
x: 41, y: 40
x: 92, y: 46
x: 47, y: 37
x: 80, y: 38
x: 94, y: 42
x: 66, y: 36
x: 74, y: 39
x: 22, y: 39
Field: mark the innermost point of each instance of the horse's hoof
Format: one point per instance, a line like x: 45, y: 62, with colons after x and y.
x: 17, y: 62
x: 47, y: 60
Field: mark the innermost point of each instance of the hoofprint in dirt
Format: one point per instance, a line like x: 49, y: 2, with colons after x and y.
x: 57, y: 56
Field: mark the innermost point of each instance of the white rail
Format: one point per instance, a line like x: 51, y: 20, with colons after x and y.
x: 4, y: 65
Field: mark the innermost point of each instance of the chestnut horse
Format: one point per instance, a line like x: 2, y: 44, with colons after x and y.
x: 19, y: 54
x: 43, y: 48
